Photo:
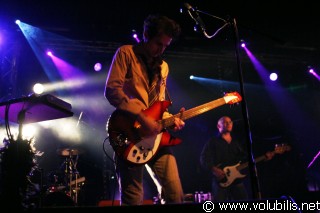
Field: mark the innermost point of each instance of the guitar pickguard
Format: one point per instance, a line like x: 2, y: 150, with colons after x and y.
x: 144, y: 150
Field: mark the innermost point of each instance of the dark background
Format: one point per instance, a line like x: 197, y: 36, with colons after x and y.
x: 284, y: 38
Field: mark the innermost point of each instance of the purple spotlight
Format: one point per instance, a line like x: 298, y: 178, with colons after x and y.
x: 242, y: 43
x: 97, y: 67
x: 135, y: 36
x: 273, y: 76
x: 49, y: 53
x: 313, y: 72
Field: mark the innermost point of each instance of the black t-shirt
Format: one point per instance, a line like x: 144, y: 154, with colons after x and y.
x: 220, y: 153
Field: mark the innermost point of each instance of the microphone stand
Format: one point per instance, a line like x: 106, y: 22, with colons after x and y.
x: 252, y: 165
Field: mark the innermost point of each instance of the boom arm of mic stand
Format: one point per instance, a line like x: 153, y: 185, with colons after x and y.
x: 226, y: 23
x: 252, y: 166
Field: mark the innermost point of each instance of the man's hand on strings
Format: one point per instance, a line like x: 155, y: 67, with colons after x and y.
x: 178, y: 122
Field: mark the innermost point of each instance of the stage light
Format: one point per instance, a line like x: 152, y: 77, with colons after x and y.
x: 135, y: 36
x: 273, y: 76
x: 196, y: 28
x: 17, y: 21
x: 97, y: 67
x: 29, y: 131
x: 38, y: 88
x: 49, y: 53
x: 191, y: 77
x: 242, y: 43
x: 313, y: 72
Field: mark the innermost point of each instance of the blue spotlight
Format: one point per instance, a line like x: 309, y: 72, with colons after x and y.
x: 17, y: 21
x: 191, y: 77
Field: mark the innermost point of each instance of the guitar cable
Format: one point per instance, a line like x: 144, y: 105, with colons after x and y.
x: 114, y: 163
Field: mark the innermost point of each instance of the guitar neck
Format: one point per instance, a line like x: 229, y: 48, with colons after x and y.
x: 245, y: 165
x: 193, y: 112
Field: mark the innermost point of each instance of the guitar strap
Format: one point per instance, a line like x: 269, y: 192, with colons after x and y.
x: 154, y: 92
x: 167, y: 94
x: 153, y: 66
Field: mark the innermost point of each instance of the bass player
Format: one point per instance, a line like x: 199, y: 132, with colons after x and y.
x: 219, y: 153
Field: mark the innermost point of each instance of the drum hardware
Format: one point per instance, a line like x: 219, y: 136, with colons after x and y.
x: 69, y: 152
x: 78, y: 181
x: 73, y: 181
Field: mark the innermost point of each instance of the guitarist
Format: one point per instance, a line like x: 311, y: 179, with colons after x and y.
x: 136, y: 79
x: 219, y: 152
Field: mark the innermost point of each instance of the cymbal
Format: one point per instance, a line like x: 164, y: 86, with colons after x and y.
x: 68, y: 152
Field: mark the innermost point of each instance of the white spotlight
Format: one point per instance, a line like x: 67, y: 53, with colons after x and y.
x: 38, y: 88
x: 97, y: 67
x: 273, y: 76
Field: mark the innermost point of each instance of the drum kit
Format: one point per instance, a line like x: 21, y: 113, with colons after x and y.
x: 65, y: 186
x: 31, y: 109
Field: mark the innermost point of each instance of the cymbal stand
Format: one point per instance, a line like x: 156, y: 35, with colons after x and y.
x: 72, y: 172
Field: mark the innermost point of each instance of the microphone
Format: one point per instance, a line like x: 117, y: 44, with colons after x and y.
x: 195, y: 16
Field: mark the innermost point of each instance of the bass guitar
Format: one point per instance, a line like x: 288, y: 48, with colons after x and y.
x: 233, y: 172
x: 130, y: 143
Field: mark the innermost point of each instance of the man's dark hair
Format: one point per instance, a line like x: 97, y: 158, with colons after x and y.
x: 158, y: 24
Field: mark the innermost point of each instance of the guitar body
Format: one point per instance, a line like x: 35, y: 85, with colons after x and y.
x: 232, y: 173
x: 128, y: 139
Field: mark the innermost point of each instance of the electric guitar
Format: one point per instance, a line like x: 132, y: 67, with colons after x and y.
x: 233, y: 172
x: 129, y: 141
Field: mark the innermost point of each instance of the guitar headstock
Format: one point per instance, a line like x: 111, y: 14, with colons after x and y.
x: 232, y: 98
x: 281, y: 148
